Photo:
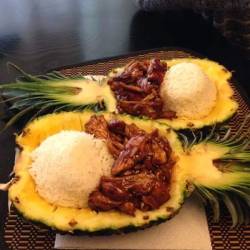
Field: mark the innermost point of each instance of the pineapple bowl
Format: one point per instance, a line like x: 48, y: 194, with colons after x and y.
x: 147, y: 89
x: 216, y: 167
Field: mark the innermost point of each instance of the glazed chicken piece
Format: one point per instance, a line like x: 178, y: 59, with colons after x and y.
x: 117, y: 127
x: 113, y: 188
x: 160, y: 149
x: 132, y: 130
x: 132, y: 72
x: 139, y: 184
x: 98, y: 126
x: 143, y: 190
x: 99, y: 202
x: 141, y: 173
x: 132, y: 153
x: 156, y: 71
x: 151, y: 148
x: 121, y: 192
x: 128, y: 208
x: 158, y: 196
x: 137, y: 89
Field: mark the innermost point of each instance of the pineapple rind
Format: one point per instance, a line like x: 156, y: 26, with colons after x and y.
x: 225, y: 106
x: 27, y: 201
x: 194, y: 167
x: 79, y: 92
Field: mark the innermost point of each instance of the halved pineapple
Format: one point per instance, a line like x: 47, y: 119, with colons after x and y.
x: 25, y: 198
x: 57, y: 92
x: 195, y: 167
x: 225, y: 105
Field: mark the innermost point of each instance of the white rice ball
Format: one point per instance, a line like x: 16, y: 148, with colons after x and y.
x: 188, y: 91
x: 68, y: 166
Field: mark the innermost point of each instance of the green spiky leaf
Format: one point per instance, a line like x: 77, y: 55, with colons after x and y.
x: 227, y: 171
x: 56, y: 91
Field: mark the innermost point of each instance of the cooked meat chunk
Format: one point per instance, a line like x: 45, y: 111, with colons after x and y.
x: 132, y: 130
x: 114, y: 148
x: 140, y: 184
x: 128, y: 208
x: 132, y: 153
x: 160, y: 149
x: 113, y: 188
x: 137, y: 89
x: 158, y: 196
x: 141, y: 173
x: 99, y: 202
x: 97, y: 126
x: 132, y: 71
x: 141, y: 107
x: 156, y: 71
x: 117, y: 127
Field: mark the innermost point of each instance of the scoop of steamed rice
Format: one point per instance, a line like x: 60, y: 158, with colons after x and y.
x: 188, y: 91
x: 67, y: 167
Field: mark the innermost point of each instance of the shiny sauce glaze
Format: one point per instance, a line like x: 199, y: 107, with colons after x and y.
x: 141, y: 174
x: 137, y: 89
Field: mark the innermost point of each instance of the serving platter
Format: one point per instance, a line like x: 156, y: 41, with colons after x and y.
x: 20, y: 234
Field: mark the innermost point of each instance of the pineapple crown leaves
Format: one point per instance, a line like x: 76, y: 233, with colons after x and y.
x: 236, y: 200
x: 238, y: 142
x: 42, y: 94
x: 236, y: 195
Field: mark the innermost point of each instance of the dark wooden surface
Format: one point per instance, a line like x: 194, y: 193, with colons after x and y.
x: 41, y: 35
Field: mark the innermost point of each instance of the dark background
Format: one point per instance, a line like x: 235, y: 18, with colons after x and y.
x: 41, y: 35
